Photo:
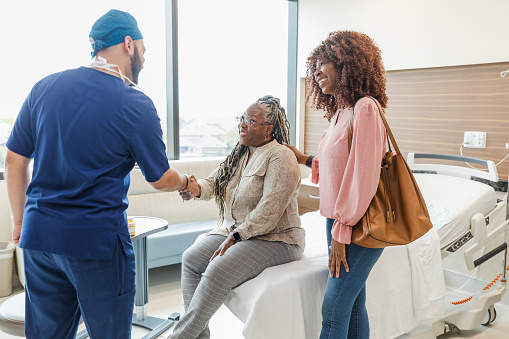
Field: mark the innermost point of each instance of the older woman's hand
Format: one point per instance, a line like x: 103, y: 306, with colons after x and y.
x: 227, y: 243
x: 193, y: 189
x: 336, y: 257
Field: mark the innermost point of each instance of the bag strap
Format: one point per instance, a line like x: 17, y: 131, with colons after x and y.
x: 387, y: 128
x: 390, y: 216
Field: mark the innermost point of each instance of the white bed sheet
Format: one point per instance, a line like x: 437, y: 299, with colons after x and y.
x: 467, y: 197
x: 405, y: 286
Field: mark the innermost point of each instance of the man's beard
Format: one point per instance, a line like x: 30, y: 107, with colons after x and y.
x: 136, y: 65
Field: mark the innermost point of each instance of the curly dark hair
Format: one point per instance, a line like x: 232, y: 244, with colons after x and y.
x: 359, y: 68
x: 276, y: 115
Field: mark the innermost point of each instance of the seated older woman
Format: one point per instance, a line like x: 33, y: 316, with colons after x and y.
x: 256, y: 189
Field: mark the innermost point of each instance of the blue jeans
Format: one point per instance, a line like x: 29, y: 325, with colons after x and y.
x: 344, y: 313
x: 61, y: 289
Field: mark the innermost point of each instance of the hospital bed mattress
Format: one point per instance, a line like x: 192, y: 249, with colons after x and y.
x: 466, y: 197
x: 284, y: 302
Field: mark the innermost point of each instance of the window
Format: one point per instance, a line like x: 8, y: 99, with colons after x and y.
x: 230, y: 53
x: 41, y: 44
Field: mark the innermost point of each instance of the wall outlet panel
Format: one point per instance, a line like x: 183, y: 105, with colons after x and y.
x: 474, y: 139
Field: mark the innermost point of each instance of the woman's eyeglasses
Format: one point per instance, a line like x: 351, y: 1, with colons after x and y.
x: 250, y: 122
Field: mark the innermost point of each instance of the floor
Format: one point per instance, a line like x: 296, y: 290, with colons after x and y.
x: 165, y: 298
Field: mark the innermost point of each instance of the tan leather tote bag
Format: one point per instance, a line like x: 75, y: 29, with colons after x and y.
x: 397, y: 215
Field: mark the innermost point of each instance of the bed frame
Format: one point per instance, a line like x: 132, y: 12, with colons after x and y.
x: 457, y: 171
x: 484, y: 229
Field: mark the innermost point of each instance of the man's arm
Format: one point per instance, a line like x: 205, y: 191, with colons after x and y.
x: 170, y: 181
x: 17, y: 177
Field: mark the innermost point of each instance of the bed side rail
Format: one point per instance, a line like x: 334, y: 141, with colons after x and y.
x: 458, y: 171
x: 490, y: 254
x: 481, y: 237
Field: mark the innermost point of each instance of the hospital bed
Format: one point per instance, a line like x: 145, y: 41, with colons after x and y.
x: 406, y: 286
x: 476, y: 230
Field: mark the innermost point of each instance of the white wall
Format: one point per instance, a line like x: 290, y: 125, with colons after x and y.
x: 412, y: 33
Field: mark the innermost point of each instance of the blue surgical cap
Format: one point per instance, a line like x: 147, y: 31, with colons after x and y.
x: 111, y: 29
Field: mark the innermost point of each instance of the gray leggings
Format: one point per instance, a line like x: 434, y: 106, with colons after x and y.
x: 205, y: 284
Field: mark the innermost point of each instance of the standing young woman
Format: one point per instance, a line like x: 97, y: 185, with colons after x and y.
x: 344, y: 73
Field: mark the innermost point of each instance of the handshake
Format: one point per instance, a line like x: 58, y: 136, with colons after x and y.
x: 192, y: 189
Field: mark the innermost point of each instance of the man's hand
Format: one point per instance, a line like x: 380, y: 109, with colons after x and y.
x: 16, y: 232
x: 193, y: 189
x: 18, y: 178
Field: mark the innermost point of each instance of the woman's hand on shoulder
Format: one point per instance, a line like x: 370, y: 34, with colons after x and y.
x: 336, y: 257
x: 227, y: 243
x: 301, y: 157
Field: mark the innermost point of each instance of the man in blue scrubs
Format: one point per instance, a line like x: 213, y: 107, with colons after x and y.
x: 85, y: 128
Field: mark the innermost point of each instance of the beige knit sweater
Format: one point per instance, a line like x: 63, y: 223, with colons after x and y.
x: 261, y: 197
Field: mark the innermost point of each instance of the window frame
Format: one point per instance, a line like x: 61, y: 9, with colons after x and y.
x: 172, y: 82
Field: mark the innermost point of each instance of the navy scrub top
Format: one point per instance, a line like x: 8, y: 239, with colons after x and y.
x: 85, y: 130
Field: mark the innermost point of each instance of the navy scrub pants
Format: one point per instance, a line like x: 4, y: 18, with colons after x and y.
x: 60, y: 289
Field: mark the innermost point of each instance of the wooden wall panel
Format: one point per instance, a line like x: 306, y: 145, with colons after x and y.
x: 429, y: 109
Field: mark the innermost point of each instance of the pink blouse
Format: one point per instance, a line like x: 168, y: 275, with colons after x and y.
x: 348, y: 182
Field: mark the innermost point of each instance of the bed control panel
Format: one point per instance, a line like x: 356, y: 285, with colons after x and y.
x: 459, y: 243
